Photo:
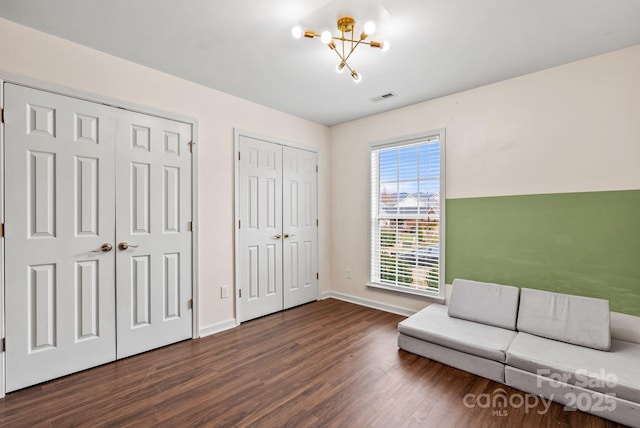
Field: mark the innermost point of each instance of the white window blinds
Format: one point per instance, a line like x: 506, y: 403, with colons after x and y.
x: 406, y: 221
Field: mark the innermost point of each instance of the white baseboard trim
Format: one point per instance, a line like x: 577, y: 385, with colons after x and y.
x: 399, y: 310
x: 218, y: 327
x: 623, y: 327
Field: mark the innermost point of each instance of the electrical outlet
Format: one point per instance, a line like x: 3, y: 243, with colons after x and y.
x: 224, y: 291
x: 349, y: 273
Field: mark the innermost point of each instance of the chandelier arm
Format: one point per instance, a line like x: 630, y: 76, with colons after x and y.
x: 349, y: 68
x: 352, y: 49
x: 342, y: 59
x: 362, y: 42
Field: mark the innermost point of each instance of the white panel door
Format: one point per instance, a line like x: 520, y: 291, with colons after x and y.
x: 153, y: 243
x: 59, y: 285
x: 260, y: 230
x: 300, y: 214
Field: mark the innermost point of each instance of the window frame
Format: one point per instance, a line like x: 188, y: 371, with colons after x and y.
x: 438, y: 134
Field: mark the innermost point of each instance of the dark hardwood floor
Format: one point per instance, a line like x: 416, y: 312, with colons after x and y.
x: 327, y: 364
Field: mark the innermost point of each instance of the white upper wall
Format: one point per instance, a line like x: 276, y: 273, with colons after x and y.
x: 36, y: 55
x: 572, y: 128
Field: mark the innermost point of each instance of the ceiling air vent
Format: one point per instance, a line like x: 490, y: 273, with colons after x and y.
x: 383, y: 97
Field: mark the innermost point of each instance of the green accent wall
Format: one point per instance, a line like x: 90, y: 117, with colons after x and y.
x: 575, y: 243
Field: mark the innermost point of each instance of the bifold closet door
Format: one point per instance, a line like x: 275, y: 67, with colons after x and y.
x: 59, y: 230
x: 277, y: 231
x: 153, y: 251
x: 260, y: 229
x: 299, y: 227
x: 97, y: 238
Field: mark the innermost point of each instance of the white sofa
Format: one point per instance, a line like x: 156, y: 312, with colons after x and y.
x: 555, y: 345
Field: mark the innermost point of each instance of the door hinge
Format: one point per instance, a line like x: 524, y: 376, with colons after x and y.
x: 190, y: 303
x: 238, y: 224
x: 239, y: 293
x: 1, y: 115
x: 191, y: 144
x: 317, y: 275
x: 190, y: 225
x: 238, y: 155
x: 2, y: 345
x: 317, y: 222
x: 1, y: 230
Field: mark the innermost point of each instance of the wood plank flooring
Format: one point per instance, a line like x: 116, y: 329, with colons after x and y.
x: 325, y: 364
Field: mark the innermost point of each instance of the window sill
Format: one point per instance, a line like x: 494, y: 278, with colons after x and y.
x: 431, y: 297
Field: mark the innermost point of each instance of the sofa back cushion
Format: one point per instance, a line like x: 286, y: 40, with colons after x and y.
x: 483, y: 302
x: 573, y: 319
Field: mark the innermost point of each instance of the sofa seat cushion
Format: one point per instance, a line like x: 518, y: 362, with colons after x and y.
x: 433, y: 324
x: 484, y: 302
x: 614, y: 372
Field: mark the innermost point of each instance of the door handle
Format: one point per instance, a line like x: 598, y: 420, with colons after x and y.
x: 124, y: 245
x: 105, y: 248
x: 278, y: 236
x: 286, y: 235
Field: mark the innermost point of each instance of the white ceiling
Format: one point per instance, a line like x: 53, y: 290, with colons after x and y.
x: 245, y: 47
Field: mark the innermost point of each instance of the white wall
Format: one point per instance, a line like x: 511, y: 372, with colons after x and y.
x: 567, y: 129
x: 572, y: 128
x: 33, y: 54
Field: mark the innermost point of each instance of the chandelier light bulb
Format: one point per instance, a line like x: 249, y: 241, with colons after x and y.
x: 340, y: 67
x: 326, y: 37
x: 296, y: 32
x: 356, y: 77
x: 369, y: 28
x: 385, y: 46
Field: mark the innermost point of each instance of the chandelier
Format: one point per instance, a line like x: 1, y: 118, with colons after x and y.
x: 346, y: 41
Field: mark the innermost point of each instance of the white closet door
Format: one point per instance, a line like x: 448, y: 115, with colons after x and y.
x: 259, y: 273
x: 153, y: 203
x: 59, y: 210
x: 300, y: 233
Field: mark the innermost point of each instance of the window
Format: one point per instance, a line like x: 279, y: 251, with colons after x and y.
x: 407, y: 215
